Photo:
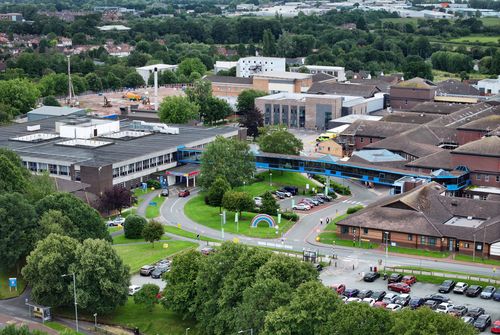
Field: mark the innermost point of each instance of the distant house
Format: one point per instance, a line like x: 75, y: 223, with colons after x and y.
x: 489, y: 86
x: 330, y: 147
x: 407, y: 94
x: 13, y: 17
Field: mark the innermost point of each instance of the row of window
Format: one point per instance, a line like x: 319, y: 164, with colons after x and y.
x: 60, y: 170
x: 142, y: 165
x: 290, y: 119
x: 362, y: 140
x: 486, y: 177
x: 429, y: 240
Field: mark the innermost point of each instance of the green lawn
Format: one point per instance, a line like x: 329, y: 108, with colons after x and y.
x: 181, y: 232
x: 137, y: 255
x: 331, y: 237
x: 114, y: 229
x: 476, y: 39
x: 4, y: 284
x: 198, y: 211
x: 467, y: 258
x: 121, y: 239
x: 419, y: 252
x: 443, y: 75
x: 490, y: 21
x: 154, y: 211
x: 277, y: 180
x: 60, y: 327
x: 332, y: 226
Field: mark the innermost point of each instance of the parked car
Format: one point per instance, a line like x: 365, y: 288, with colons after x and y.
x: 292, y: 189
x: 380, y: 304
x: 164, y: 192
x: 371, y: 276
x: 365, y: 294
x: 324, y: 197
x: 403, y: 300
x: 184, y: 193
x: 416, y: 302
x: 301, y: 207
x: 495, y: 327
x: 473, y: 291
x: 390, y: 298
x: 146, y: 270
x: 432, y: 304
x: 458, y: 311
x: 393, y: 307
x: 164, y: 262
x: 444, y: 307
x: 133, y: 289
x: 117, y: 221
x: 460, y: 288
x: 409, y: 280
x: 399, y: 287
x: 285, y: 192
x: 351, y: 292
x: 378, y: 295
x: 339, y: 288
x: 207, y: 250
x: 496, y: 295
x: 257, y: 201
x: 307, y: 201
x: 475, y: 312
x: 395, y: 278
x: 446, y: 286
x: 279, y: 194
x: 468, y: 319
x: 314, y: 201
x: 319, y: 200
x: 352, y: 299
x: 488, y: 292
x: 369, y: 301
x: 159, y: 271
x: 438, y: 297
x: 482, y: 322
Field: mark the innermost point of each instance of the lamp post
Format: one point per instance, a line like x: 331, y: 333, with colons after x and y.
x: 244, y: 182
x: 386, y: 234
x: 187, y: 329
x: 248, y: 330
x: 74, y: 294
x: 270, y: 179
x: 474, y: 248
x: 95, y: 321
x: 221, y: 224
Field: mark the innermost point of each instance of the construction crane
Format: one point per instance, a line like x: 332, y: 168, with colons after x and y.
x: 72, y: 100
x: 107, y: 103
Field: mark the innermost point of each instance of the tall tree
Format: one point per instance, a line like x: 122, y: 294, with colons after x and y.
x: 358, y: 319
x: 147, y: 295
x: 415, y: 66
x: 13, y: 176
x: 176, y: 109
x: 280, y: 141
x: 133, y: 226
x: 246, y: 100
x: 268, y: 43
x: 216, y: 192
x: 115, y: 198
x: 227, y: 158
x: 152, y: 232
x: 55, y: 222
x: 190, y: 65
x: 269, y: 204
x: 237, y: 201
x: 21, y: 94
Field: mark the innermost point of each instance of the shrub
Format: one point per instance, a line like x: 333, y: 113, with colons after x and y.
x: 133, y: 226
x: 354, y: 209
x: 154, y: 183
x: 340, y: 189
x: 290, y: 216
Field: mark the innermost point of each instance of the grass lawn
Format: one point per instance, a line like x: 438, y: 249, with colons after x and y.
x: 490, y: 21
x: 114, y: 229
x: 331, y: 237
x: 154, y: 211
x: 467, y: 258
x: 198, y: 211
x: 332, y: 226
x: 4, y: 284
x: 419, y: 252
x: 60, y: 327
x: 181, y: 232
x: 476, y: 39
x: 443, y: 75
x: 121, y: 239
x: 279, y: 179
x: 137, y: 255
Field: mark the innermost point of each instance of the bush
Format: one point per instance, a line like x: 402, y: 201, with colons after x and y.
x: 290, y: 216
x: 134, y: 224
x: 354, y: 209
x: 340, y: 189
x: 320, y: 178
x: 154, y: 183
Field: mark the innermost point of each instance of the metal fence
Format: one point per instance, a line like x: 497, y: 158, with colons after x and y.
x: 444, y: 275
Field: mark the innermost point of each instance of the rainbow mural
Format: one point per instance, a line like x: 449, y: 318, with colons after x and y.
x: 263, y: 217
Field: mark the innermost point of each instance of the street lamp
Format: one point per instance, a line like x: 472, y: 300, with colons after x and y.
x: 187, y: 329
x: 386, y: 234
x: 270, y: 179
x: 248, y: 330
x: 244, y: 182
x: 221, y: 223
x: 74, y: 294
x: 95, y: 321
x: 474, y: 249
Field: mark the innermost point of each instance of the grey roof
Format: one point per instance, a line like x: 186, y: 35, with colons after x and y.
x: 456, y: 87
x: 120, y: 150
x: 377, y: 129
x: 436, y: 108
x: 407, y: 117
x: 366, y: 91
x: 229, y: 80
x: 487, y: 123
x: 466, y: 114
x: 382, y: 85
x: 55, y: 111
x: 487, y: 146
x: 381, y: 155
x: 438, y: 160
x: 321, y: 76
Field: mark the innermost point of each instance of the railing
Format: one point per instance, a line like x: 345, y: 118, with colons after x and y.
x: 444, y: 275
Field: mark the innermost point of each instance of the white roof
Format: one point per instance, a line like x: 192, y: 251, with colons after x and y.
x: 158, y: 66
x: 55, y: 111
x: 261, y: 58
x: 113, y: 27
x: 354, y: 117
x: 284, y: 75
x: 303, y: 96
x: 324, y: 67
x: 220, y: 63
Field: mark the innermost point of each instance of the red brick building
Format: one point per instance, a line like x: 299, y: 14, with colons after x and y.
x: 407, y: 94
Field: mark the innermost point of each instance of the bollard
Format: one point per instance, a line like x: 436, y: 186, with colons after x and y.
x: 335, y: 264
x: 371, y: 269
x: 353, y: 267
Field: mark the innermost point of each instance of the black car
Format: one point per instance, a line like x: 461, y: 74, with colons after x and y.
x: 459, y: 310
x: 496, y: 295
x: 475, y: 312
x: 437, y: 297
x: 482, y: 322
x: 473, y: 291
x: 403, y: 300
x: 447, y: 286
x: 351, y: 292
x: 432, y: 304
x: 378, y: 295
x: 371, y: 276
x: 395, y: 278
x: 292, y: 189
x: 365, y: 294
x: 416, y: 302
x: 158, y: 272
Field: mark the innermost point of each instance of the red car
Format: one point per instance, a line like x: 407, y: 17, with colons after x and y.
x: 380, y: 304
x: 339, y: 288
x: 184, y: 193
x: 399, y: 287
x: 409, y: 280
x: 495, y: 327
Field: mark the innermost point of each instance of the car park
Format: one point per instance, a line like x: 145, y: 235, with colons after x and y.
x: 458, y: 311
x: 488, y: 292
x: 315, y: 202
x: 403, y: 300
x: 447, y: 286
x: 159, y: 271
x: 432, y: 304
x: 390, y: 298
x: 416, y: 302
x: 395, y: 278
x: 482, y: 322
x: 399, y: 287
x: 460, y: 288
x: 146, y: 270
x: 437, y: 297
x: 371, y: 276
x: 378, y: 295
x: 351, y: 292
x: 475, y: 312
x: 307, y: 201
x: 133, y: 289
x: 257, y: 201
x: 444, y: 307
x: 468, y: 319
x: 319, y: 200
x: 369, y: 301
x: 292, y: 189
x: 339, y: 288
x: 207, y: 250
x: 301, y: 207
x: 409, y: 280
x: 279, y: 195
x: 473, y: 291
x: 393, y: 307
x: 352, y: 299
x: 495, y: 327
x: 184, y: 193
x: 164, y: 192
x: 365, y: 294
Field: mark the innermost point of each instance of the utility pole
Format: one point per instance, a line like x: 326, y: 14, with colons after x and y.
x: 74, y: 295
x: 156, y: 88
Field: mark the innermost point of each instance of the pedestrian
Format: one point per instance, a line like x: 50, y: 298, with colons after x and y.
x: 327, y: 220
x: 321, y: 221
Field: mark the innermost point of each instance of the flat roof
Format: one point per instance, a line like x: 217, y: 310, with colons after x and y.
x: 284, y: 75
x: 55, y: 111
x: 379, y: 155
x: 354, y: 117
x: 158, y: 66
x: 113, y: 27
x: 464, y: 222
x: 303, y: 96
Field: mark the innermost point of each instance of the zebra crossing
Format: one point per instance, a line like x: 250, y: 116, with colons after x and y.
x: 353, y: 202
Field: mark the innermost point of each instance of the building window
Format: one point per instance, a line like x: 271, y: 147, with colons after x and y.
x: 479, y: 246
x: 116, y: 172
x: 466, y: 245
x: 42, y: 167
x: 365, y: 231
x: 497, y: 179
x: 138, y: 166
x: 361, y: 139
x: 432, y: 241
x: 410, y: 237
x: 345, y: 230
x: 52, y: 169
x: 32, y: 166
x: 131, y: 168
x: 284, y: 115
x: 145, y: 164
x: 78, y: 176
x: 478, y: 177
x: 276, y: 114
x: 422, y: 239
x: 267, y: 114
x: 293, y: 116
x: 302, y: 116
x: 486, y: 178
x: 160, y: 160
x: 371, y: 140
x: 63, y: 170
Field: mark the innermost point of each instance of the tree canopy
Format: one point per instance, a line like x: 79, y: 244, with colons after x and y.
x: 176, y: 109
x: 280, y: 141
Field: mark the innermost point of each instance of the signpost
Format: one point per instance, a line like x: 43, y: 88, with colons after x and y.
x: 236, y: 220
x: 12, y: 284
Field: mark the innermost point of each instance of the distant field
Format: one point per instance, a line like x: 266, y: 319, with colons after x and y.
x: 490, y: 21
x: 477, y: 39
x: 412, y: 20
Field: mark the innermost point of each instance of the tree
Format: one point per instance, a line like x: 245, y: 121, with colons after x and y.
x: 269, y: 43
x: 115, y: 198
x: 53, y: 84
x: 79, y: 39
x: 190, y: 65
x: 269, y: 205
x: 94, y: 82
x: 137, y: 59
x: 55, y: 222
x: 280, y: 141
x: 216, y: 191
x: 22, y: 330
x: 216, y: 109
x: 252, y: 120
x: 14, y: 177
x: 45, y: 266
x: 361, y: 23
x: 133, y: 226
x: 147, y: 295
x: 179, y: 294
x: 227, y: 158
x: 19, y: 93
x: 86, y: 220
x: 51, y: 101
x: 39, y: 186
x: 415, y: 66
x: 237, y: 201
x: 18, y: 228
x: 421, y: 47
x: 133, y: 79
x: 358, y: 319
x: 153, y: 231
x: 177, y: 109
x: 102, y: 277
